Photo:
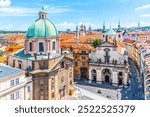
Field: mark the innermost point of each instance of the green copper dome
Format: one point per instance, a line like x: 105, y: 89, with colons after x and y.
x: 41, y: 27
x: 110, y: 31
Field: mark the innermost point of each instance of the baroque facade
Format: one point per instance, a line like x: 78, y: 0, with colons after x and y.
x: 107, y: 65
x: 42, y: 58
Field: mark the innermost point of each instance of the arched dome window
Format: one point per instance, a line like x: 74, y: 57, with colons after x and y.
x: 41, y: 47
x: 30, y: 46
x: 53, y: 45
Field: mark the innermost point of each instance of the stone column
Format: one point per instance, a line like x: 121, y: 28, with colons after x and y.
x: 125, y: 79
x: 115, y: 78
x: 33, y: 46
x: 49, y: 45
x: 26, y: 47
x: 99, y: 76
x: 90, y: 76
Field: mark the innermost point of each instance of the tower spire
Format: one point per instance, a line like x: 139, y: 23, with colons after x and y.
x: 138, y: 23
x: 104, y: 27
x: 119, y: 26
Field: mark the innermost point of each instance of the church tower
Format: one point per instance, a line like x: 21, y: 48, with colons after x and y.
x: 119, y: 27
x: 104, y: 27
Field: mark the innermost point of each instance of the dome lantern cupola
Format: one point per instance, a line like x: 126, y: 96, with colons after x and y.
x: 42, y: 37
x: 42, y: 14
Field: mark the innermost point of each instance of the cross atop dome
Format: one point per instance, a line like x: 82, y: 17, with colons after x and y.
x: 42, y: 8
x: 42, y: 13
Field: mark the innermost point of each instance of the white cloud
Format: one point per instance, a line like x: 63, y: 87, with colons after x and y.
x: 131, y: 25
x: 5, y: 3
x: 145, y: 15
x: 7, y: 27
x: 66, y: 25
x: 21, y: 11
x: 144, y: 7
x: 72, y: 26
x: 58, y: 9
x: 17, y: 10
x: 12, y: 27
x: 144, y: 24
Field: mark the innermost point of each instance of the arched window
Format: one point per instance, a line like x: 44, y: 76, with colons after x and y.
x: 41, y: 47
x: 30, y: 46
x: 53, y: 45
x: 62, y: 65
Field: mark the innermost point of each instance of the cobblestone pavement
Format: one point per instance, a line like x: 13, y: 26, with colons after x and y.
x: 134, y: 91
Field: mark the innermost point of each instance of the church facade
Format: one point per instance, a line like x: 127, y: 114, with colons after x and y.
x: 42, y: 59
x: 107, y: 65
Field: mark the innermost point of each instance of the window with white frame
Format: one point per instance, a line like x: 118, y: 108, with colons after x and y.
x: 17, y: 95
x: 12, y: 83
x: 12, y: 96
x: 17, y: 81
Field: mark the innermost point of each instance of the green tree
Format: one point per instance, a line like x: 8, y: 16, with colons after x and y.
x: 1, y: 53
x: 96, y: 42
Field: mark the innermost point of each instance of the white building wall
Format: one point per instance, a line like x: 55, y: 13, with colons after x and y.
x: 6, y: 89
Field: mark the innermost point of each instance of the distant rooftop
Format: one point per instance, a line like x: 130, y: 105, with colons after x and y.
x: 6, y: 70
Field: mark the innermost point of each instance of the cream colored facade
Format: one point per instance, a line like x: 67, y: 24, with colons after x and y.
x: 14, y: 86
x: 107, y: 65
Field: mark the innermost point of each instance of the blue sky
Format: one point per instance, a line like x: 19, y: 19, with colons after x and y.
x: 19, y: 14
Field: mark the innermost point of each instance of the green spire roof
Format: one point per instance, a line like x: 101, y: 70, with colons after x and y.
x: 110, y: 31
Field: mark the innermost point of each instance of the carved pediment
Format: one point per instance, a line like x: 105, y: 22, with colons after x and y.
x: 106, y: 44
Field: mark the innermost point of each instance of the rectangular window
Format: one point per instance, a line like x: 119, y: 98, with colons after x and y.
x: 53, y: 45
x: 17, y: 81
x: 30, y: 46
x: 13, y: 63
x: 83, y: 52
x: 17, y: 95
x: 12, y: 83
x: 19, y: 65
x: 76, y: 64
x: 12, y: 97
x: 41, y: 47
x: 83, y: 63
x: 83, y: 58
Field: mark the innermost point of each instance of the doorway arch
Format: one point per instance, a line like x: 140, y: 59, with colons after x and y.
x: 107, y: 79
x: 120, y: 78
x: 84, y: 72
x: 106, y: 75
